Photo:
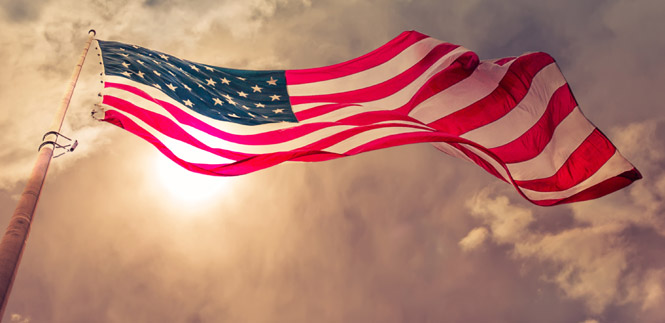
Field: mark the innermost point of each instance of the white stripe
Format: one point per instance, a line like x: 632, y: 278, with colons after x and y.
x: 452, y: 151
x: 391, y: 102
x: 521, y: 118
x: 567, y: 137
x: 364, y: 137
x: 473, y: 88
x: 496, y: 165
x: 182, y: 150
x: 192, y: 154
x: 380, y: 73
x: 229, y: 127
x: 216, y: 142
x: 614, y: 166
x: 296, y: 143
x: 484, y: 80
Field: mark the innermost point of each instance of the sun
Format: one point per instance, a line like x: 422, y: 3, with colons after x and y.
x: 187, y: 186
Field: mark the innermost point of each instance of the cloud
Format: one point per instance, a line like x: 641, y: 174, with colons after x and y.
x: 593, y: 261
x: 507, y: 223
x: 20, y: 11
x: 384, y: 236
x: 43, y: 54
x: 609, y: 254
x: 474, y: 239
x: 18, y: 318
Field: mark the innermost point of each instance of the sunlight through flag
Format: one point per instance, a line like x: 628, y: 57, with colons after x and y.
x: 515, y: 117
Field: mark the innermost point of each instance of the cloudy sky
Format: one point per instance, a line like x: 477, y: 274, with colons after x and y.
x: 405, y: 234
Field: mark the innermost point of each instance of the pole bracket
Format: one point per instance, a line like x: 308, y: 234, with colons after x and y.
x: 67, y: 148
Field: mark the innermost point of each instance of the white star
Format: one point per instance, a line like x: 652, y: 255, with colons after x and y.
x: 125, y: 73
x: 188, y: 103
x: 225, y: 81
x: 122, y: 49
x: 125, y: 55
x: 125, y: 64
x: 242, y: 94
x: 245, y: 107
x: 156, y: 62
x: 166, y: 58
x: 251, y: 115
x: 169, y: 64
x: 233, y: 115
x: 201, y: 86
x: 170, y: 72
x: 139, y: 73
x: 135, y: 46
x: 229, y: 99
x: 259, y: 105
x: 194, y: 67
x: 157, y: 73
x: 278, y: 111
x: 139, y: 61
x: 211, y: 82
x: 241, y: 78
x: 217, y: 101
x: 274, y: 97
x: 210, y: 68
x: 171, y: 86
x: 157, y: 86
x: 272, y: 81
x: 265, y: 117
x: 187, y: 87
x: 256, y: 88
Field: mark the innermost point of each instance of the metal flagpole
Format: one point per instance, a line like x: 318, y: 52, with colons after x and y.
x: 13, y: 242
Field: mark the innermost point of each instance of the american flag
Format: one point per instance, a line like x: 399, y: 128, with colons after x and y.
x: 515, y: 117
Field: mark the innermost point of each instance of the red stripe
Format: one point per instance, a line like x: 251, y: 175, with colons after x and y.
x: 367, y: 61
x: 118, y: 119
x: 265, y: 138
x: 505, y: 60
x: 534, y: 140
x: 320, y: 110
x: 479, y: 160
x: 269, y: 137
x: 601, y: 189
x: 456, y: 72
x: 585, y: 161
x: 171, y: 129
x: 509, y: 92
x: 245, y: 166
x: 463, y: 68
x: 389, y: 87
x: 258, y: 162
x: 168, y: 127
x: 371, y: 117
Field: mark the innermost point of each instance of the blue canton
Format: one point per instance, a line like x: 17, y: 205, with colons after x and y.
x: 239, y: 96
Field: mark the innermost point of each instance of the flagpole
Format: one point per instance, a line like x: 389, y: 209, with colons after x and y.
x: 16, y: 235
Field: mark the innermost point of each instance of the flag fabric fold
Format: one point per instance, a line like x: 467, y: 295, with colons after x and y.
x: 515, y: 117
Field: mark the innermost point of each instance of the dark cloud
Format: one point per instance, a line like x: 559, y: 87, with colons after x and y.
x: 20, y: 11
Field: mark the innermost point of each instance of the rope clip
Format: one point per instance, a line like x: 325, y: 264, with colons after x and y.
x: 67, y: 148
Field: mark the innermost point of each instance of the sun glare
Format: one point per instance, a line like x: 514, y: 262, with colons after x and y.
x: 187, y: 186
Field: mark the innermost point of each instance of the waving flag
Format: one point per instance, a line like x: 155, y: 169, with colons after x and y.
x: 515, y: 117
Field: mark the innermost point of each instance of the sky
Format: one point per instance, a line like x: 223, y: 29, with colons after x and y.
x: 406, y: 234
